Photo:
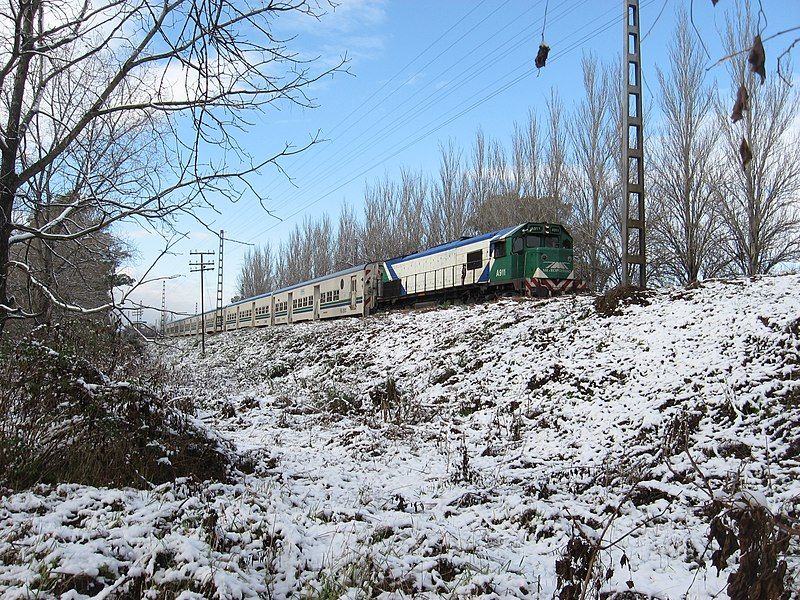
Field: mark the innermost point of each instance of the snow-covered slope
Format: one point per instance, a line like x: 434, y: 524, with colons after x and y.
x: 484, y: 451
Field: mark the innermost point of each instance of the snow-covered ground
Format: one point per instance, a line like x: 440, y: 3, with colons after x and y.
x: 480, y: 451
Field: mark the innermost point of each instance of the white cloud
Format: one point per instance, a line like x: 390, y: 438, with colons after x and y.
x: 352, y: 27
x: 346, y: 17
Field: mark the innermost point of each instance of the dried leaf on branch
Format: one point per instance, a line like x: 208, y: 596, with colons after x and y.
x: 742, y: 104
x: 757, y: 58
x: 745, y: 153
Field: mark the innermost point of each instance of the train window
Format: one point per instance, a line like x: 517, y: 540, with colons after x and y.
x: 518, y: 245
x: 474, y: 260
x: 499, y: 249
x: 551, y: 241
x: 336, y: 294
x: 568, y: 244
x: 533, y: 241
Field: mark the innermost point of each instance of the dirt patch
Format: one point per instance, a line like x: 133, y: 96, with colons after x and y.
x: 614, y: 300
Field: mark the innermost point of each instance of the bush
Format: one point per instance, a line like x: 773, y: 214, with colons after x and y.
x: 611, y: 303
x: 62, y: 419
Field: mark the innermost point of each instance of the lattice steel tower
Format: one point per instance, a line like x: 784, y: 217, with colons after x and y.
x: 163, y: 307
x: 633, y: 218
x: 218, y: 319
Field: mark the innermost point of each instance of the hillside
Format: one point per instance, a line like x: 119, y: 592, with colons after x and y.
x: 515, y: 449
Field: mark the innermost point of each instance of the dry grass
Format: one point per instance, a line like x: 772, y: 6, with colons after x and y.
x: 63, y: 419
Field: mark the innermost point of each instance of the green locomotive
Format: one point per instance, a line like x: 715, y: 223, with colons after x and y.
x: 534, y: 258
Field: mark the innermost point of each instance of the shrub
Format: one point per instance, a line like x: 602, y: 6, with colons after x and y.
x: 62, y: 419
x: 611, y: 303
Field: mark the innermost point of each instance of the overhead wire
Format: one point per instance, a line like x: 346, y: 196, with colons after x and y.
x: 405, y: 144
x: 645, y: 36
x: 466, y: 76
x: 324, y: 168
x: 655, y: 22
x: 412, y: 61
x: 309, y: 155
x: 527, y: 70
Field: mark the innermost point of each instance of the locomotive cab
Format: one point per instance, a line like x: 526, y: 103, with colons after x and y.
x: 534, y: 255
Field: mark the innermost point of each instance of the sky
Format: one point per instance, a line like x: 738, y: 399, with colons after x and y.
x: 419, y: 74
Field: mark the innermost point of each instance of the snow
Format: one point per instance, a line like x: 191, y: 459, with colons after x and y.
x: 515, y: 424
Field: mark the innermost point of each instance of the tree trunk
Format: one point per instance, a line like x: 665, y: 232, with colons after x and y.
x: 6, y: 206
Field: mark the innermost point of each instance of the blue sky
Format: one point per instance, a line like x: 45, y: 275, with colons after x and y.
x: 421, y: 73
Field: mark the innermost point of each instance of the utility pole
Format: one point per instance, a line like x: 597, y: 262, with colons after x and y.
x: 218, y: 316
x: 633, y: 221
x: 201, y: 267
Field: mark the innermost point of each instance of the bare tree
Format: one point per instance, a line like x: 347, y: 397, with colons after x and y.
x: 413, y: 202
x: 320, y: 239
x: 257, y: 275
x: 478, y: 176
x: 83, y: 270
x: 688, y: 226
x: 380, y: 220
x: 296, y: 254
x: 759, y: 200
x: 449, y: 208
x: 612, y: 248
x: 553, y: 197
x: 591, y: 134
x: 72, y: 74
x: 348, y: 248
x: 494, y: 187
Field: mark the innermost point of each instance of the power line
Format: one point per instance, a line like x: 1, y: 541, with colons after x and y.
x: 326, y: 167
x: 420, y: 70
x: 517, y: 77
x: 464, y: 77
x: 408, y: 64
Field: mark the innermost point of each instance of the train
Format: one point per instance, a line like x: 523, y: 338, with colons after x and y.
x: 534, y: 259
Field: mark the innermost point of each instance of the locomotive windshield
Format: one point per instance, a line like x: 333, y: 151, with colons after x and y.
x: 542, y: 241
